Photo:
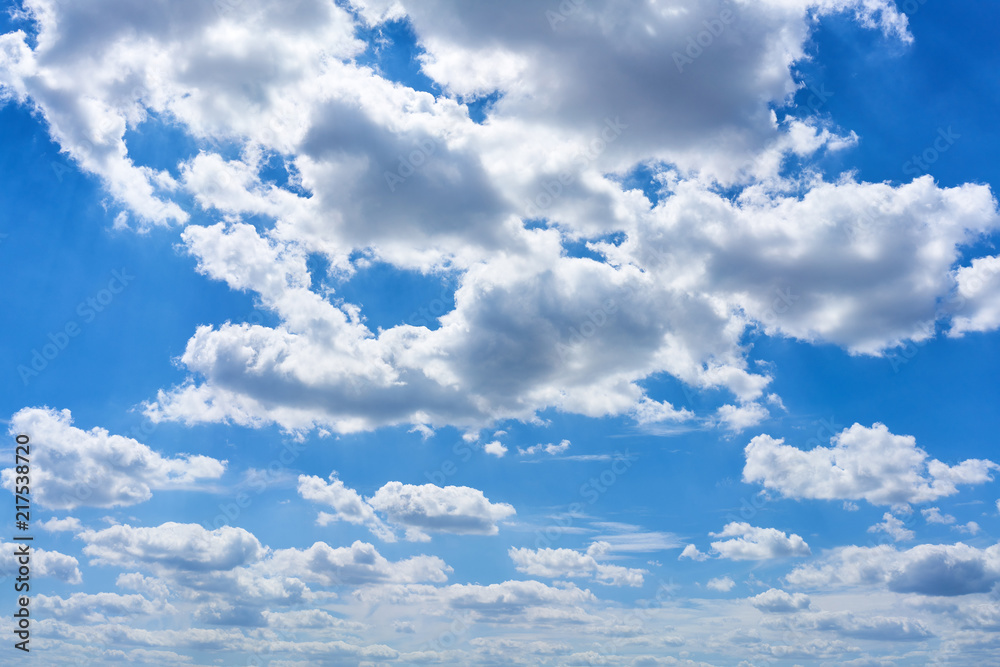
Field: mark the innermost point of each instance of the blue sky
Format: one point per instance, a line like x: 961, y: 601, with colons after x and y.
x: 381, y: 332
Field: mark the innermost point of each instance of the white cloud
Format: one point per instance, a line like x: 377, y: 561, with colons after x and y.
x: 100, y: 607
x: 871, y: 628
x: 970, y: 528
x: 894, y: 527
x: 864, y: 463
x: 739, y: 418
x: 76, y: 468
x: 692, y: 552
x: 278, y: 82
x: 55, y: 525
x: 975, y: 303
x: 547, y: 448
x: 777, y: 600
x: 934, y: 515
x: 752, y: 543
x: 349, y: 505
x: 721, y: 584
x: 449, y: 509
x: 495, y: 448
x: 359, y: 563
x: 172, y: 546
x: 416, y: 509
x: 567, y: 563
x: 926, y: 569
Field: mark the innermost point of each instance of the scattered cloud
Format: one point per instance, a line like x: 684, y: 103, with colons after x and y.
x: 863, y: 464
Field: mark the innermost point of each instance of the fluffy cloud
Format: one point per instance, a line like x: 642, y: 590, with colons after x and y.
x: 567, y: 563
x: 721, y: 584
x: 692, y: 552
x: 872, y: 628
x: 894, y: 527
x: 864, y: 463
x: 777, y: 600
x: 416, y: 509
x: 752, y: 543
x: 55, y: 525
x: 347, y: 502
x: 934, y: 515
x: 547, y: 448
x: 398, y: 175
x: 496, y: 448
x: 357, y: 564
x: 100, y: 607
x: 172, y: 547
x: 72, y: 467
x: 975, y: 303
x: 450, y: 509
x: 927, y: 569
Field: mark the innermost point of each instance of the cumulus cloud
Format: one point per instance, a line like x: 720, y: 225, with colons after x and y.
x: 926, y: 569
x: 975, y: 303
x: 495, y: 448
x: 450, y: 509
x: 872, y: 628
x: 894, y: 527
x: 777, y: 600
x: 741, y: 417
x: 100, y: 607
x: 408, y: 178
x: 357, y: 564
x: 415, y: 509
x: 692, y: 552
x: 73, y: 468
x: 55, y: 525
x: 347, y: 502
x: 871, y: 464
x: 721, y: 584
x: 172, y: 546
x: 548, y: 448
x: 568, y: 563
x: 934, y: 515
x: 752, y: 543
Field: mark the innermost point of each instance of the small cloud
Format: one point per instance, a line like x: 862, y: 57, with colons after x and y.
x: 721, y: 584
x: 54, y: 525
x: 495, y: 448
x: 691, y: 551
x: 548, y: 449
x: 933, y: 515
x: 970, y: 528
x: 851, y: 507
x: 777, y: 600
x: 737, y: 418
x: 893, y: 527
